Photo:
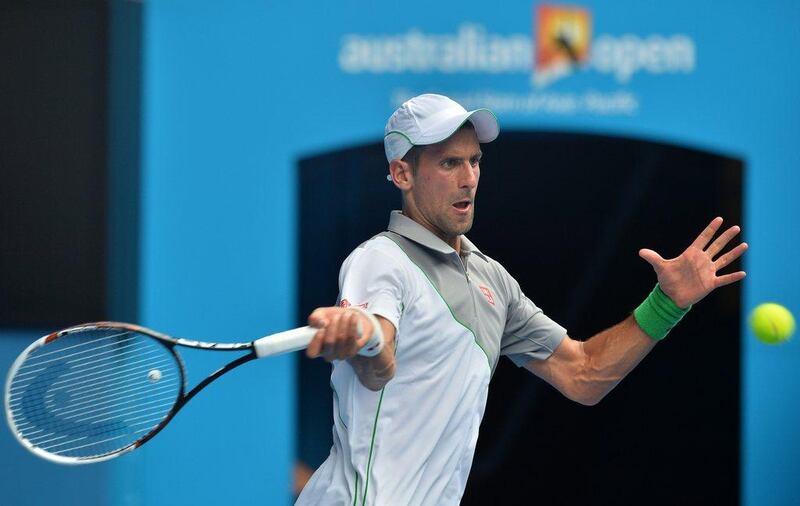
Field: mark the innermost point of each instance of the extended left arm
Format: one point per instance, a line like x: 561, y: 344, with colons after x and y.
x: 587, y: 371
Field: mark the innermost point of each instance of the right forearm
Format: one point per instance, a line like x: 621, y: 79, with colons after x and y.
x: 375, y: 372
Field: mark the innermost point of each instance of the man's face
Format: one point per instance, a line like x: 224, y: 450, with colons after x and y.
x: 442, y: 196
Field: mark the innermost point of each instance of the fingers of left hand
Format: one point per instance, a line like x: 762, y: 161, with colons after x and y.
x: 706, y: 235
x: 722, y: 241
x: 727, y: 258
x: 727, y: 279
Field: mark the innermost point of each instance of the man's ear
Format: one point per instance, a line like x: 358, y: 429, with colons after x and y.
x: 401, y: 174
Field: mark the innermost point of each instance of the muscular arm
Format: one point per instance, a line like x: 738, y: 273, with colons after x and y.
x: 339, y: 339
x: 586, y: 371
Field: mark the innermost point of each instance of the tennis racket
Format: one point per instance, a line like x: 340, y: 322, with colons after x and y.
x: 96, y: 391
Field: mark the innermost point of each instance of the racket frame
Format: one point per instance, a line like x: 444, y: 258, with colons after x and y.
x: 273, y: 344
x: 181, y: 399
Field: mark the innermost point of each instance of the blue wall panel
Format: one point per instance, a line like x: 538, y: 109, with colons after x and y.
x: 215, y: 259
x: 235, y: 92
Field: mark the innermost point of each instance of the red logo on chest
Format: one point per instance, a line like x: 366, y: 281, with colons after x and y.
x: 488, y: 294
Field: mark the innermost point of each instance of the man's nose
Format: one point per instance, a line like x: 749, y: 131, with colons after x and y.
x: 469, y: 175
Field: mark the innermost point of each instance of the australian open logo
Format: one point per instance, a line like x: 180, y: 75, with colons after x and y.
x: 562, y: 45
x: 563, y: 38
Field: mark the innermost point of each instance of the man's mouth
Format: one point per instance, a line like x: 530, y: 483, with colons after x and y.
x: 462, y: 205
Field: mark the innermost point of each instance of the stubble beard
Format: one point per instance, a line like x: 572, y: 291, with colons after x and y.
x: 454, y: 228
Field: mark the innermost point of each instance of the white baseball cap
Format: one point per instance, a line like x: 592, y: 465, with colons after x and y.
x: 428, y: 119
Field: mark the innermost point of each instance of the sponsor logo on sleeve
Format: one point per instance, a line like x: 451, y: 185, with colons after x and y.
x: 346, y: 303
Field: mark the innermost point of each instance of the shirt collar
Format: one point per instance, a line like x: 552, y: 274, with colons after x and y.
x: 401, y: 224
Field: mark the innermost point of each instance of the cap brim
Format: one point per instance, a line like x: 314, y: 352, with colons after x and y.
x: 486, y: 126
x: 484, y: 121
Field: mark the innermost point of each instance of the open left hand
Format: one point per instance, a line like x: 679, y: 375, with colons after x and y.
x: 688, y: 278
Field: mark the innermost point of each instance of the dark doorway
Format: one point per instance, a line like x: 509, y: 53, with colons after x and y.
x: 566, y: 214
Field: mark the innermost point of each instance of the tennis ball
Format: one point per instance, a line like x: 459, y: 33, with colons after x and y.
x: 772, y: 323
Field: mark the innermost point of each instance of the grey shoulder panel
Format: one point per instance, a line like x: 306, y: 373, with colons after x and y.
x: 461, y: 293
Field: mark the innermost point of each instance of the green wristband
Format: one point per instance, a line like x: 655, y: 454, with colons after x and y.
x: 658, y: 314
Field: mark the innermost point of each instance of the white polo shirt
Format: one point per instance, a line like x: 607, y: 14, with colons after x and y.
x: 412, y: 443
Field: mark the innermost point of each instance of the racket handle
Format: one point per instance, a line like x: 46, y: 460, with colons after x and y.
x: 284, y: 342
x: 300, y: 338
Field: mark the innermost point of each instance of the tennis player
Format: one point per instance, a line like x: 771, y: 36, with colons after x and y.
x: 406, y: 421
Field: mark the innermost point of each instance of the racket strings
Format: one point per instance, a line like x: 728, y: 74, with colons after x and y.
x: 93, y: 392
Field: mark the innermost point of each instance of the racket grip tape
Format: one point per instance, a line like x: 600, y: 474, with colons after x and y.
x: 284, y: 342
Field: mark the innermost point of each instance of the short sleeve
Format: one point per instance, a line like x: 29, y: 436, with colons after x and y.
x: 371, y: 279
x: 529, y: 333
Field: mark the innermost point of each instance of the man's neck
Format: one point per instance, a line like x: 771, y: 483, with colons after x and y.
x: 454, y: 242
